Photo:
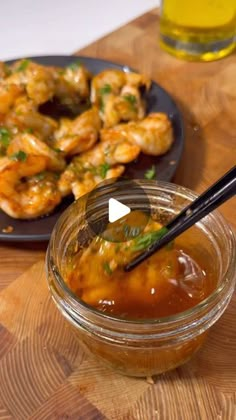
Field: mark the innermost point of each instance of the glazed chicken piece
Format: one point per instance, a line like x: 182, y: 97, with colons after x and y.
x: 31, y: 145
x: 103, y: 162
x: 23, y: 194
x: 154, y: 134
x: 78, y: 135
x: 117, y: 94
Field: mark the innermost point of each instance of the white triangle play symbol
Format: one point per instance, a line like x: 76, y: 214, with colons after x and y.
x: 116, y: 210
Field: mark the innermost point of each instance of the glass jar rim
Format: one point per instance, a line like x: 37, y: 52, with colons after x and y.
x: 174, y: 318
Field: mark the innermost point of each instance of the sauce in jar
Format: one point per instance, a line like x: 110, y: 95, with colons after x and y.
x: 173, y: 280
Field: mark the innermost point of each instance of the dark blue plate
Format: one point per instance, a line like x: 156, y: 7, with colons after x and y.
x: 158, y: 100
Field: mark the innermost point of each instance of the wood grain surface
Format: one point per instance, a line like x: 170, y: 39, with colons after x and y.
x: 44, y: 374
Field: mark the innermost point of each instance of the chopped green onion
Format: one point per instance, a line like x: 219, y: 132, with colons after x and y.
x: 150, y: 173
x: 107, y: 268
x: 101, y: 105
x: 131, y: 99
x: 147, y: 239
x: 104, y: 90
x: 103, y: 169
x: 4, y: 136
x: 75, y: 65
x: 23, y: 65
x: 29, y: 130
x: 41, y: 176
x: 19, y: 156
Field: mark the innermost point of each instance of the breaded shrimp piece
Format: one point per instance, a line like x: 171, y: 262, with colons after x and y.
x: 31, y: 145
x: 154, y: 134
x: 78, y: 135
x: 25, y: 198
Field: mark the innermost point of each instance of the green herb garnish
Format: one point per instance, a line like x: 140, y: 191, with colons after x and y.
x: 107, y: 268
x: 147, y: 239
x: 4, y: 136
x: 56, y: 149
x: 103, y: 169
x: 131, y: 99
x: 150, y: 173
x: 29, y: 130
x: 41, y: 176
x: 104, y: 90
x: 101, y: 105
x: 19, y: 156
x: 75, y: 65
x: 23, y: 65
x: 7, y: 70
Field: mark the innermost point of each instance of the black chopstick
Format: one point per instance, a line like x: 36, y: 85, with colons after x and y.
x: 213, y: 197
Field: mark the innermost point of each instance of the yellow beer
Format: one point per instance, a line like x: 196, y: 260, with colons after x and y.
x: 198, y: 29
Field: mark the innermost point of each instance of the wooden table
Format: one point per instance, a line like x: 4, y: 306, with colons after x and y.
x: 43, y: 372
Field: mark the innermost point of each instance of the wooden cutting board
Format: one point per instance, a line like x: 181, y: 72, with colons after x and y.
x: 44, y: 374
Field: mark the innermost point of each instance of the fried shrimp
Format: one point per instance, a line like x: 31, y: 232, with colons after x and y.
x: 78, y: 135
x: 72, y: 84
x: 154, y: 134
x: 25, y: 116
x: 32, y: 146
x: 80, y: 178
x: 63, y: 131
x: 104, y: 161
x: 118, y: 96
x: 23, y: 194
x: 37, y: 81
x: 8, y: 95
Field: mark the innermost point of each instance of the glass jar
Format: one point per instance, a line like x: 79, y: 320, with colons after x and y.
x: 143, y: 347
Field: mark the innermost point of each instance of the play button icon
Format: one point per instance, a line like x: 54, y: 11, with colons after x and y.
x: 116, y: 210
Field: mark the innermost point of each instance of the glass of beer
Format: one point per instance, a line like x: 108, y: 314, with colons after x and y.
x: 198, y: 30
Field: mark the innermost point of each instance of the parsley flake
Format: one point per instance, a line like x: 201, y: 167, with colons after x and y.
x: 4, y: 136
x: 107, y: 268
x: 75, y: 65
x: 104, y: 90
x: 131, y: 99
x: 23, y: 65
x: 28, y: 130
x: 19, y: 156
x: 150, y: 173
x: 147, y: 239
x: 103, y: 169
